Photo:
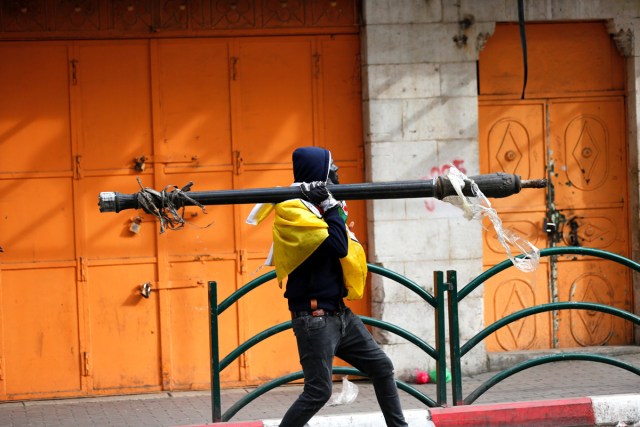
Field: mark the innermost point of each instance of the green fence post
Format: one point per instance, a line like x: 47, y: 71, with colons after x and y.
x: 454, y: 338
x: 216, y: 406
x: 441, y: 362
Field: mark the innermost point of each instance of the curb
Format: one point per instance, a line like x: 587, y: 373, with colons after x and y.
x: 581, y: 411
x: 541, y: 413
x: 414, y: 417
x: 611, y: 410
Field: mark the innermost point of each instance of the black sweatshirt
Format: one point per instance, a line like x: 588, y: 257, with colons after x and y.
x: 319, y: 276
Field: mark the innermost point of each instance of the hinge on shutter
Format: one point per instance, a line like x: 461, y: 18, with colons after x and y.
x: 234, y: 67
x: 74, y: 72
x: 316, y: 65
x: 237, y: 163
x: 82, y: 269
x: 242, y: 261
x: 85, y: 364
x: 244, y: 360
x: 78, y: 169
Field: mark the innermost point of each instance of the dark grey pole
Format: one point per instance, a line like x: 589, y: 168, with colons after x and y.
x: 496, y: 185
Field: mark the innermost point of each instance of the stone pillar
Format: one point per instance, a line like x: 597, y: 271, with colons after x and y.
x: 421, y: 115
x: 624, y: 32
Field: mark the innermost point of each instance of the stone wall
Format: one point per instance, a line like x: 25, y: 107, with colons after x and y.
x: 421, y: 114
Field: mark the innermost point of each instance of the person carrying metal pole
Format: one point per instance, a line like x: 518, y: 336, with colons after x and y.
x: 324, y: 264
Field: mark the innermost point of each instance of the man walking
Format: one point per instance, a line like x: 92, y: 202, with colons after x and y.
x: 314, y: 249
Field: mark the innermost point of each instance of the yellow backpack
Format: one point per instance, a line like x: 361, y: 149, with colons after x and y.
x: 298, y: 230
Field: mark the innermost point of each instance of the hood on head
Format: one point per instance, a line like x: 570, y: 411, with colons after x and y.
x: 311, y: 164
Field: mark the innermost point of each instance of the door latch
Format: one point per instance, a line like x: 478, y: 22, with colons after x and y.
x: 573, y: 232
x: 553, y: 226
x: 550, y: 227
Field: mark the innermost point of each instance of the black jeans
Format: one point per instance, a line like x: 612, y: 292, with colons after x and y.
x: 319, y: 340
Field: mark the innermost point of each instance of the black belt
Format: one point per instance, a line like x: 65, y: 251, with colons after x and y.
x: 315, y: 313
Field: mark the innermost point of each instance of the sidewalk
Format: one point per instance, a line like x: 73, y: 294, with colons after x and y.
x: 554, y: 383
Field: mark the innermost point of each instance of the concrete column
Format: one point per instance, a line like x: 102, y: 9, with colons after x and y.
x: 421, y: 115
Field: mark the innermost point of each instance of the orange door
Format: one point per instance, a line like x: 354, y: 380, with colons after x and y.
x: 281, y: 99
x: 512, y: 141
x: 590, y: 193
x: 579, y: 145
x: 111, y: 100
x: 272, y: 101
x: 193, y: 143
x: 91, y: 116
x: 41, y: 351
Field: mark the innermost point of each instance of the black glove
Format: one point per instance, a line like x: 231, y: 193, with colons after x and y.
x: 317, y: 193
x: 314, y: 192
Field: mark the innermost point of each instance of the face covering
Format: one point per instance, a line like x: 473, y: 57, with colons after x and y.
x: 333, y: 174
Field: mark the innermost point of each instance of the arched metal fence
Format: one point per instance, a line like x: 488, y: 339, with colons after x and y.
x: 437, y: 353
x: 443, y: 313
x: 457, y: 351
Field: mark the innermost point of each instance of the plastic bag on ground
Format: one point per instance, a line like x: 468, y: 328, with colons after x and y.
x: 347, y: 395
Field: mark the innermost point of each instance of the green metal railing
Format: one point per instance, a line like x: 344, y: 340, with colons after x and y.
x: 217, y: 365
x: 457, y: 352
x: 439, y: 352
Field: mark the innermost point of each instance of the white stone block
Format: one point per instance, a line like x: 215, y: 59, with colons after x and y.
x: 440, y: 118
x: 400, y: 81
x: 475, y: 361
x: 386, y: 209
x: 636, y: 32
x: 421, y: 272
x: 534, y: 11
x: 399, y: 161
x: 386, y: 290
x: 429, y: 209
x: 387, y: 44
x: 416, y: 43
x: 470, y: 316
x: 397, y: 292
x: 585, y: 9
x: 466, y: 270
x: 410, y: 240
x: 463, y: 154
x: 485, y: 10
x: 458, y: 79
x: 417, y: 318
x: 466, y: 239
x: 383, y: 119
x: 401, y: 11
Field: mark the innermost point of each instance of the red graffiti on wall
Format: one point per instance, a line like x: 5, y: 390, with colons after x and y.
x: 430, y: 204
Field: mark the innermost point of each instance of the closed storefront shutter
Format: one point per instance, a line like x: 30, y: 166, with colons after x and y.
x: 84, y: 116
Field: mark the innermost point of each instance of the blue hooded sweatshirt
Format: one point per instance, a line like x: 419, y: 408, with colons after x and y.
x: 320, y: 276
